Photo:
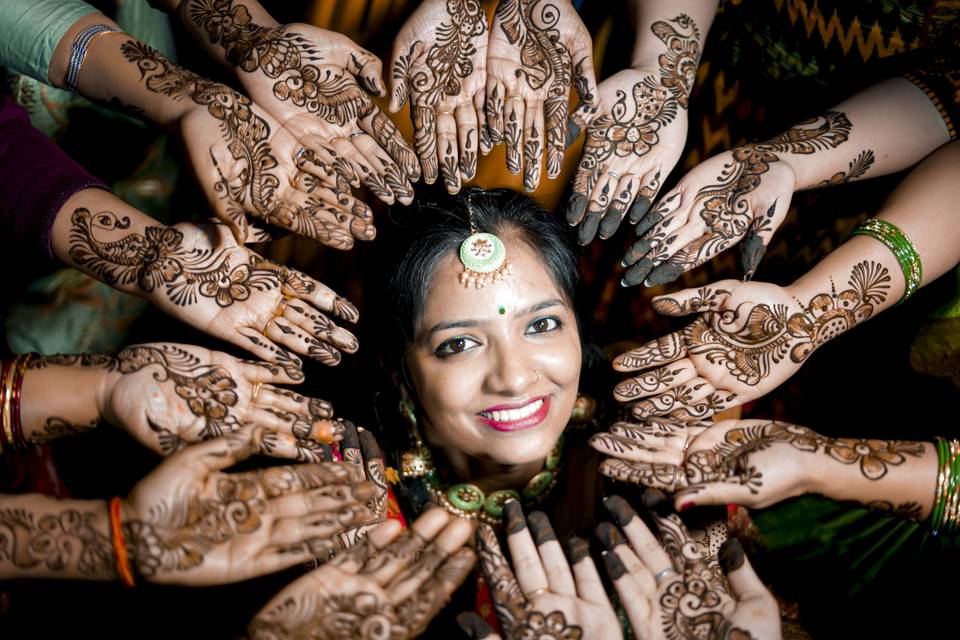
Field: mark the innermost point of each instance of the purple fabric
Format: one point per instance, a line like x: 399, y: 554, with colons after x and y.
x: 36, y: 179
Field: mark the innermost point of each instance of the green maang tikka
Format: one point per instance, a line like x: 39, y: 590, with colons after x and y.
x: 483, y: 255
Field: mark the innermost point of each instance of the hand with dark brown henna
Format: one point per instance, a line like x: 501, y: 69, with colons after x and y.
x: 364, y: 462
x: 677, y: 587
x: 439, y: 64
x: 190, y: 523
x: 742, y: 195
x: 390, y: 586
x: 546, y: 595
x: 315, y: 83
x: 749, y: 338
x: 169, y: 395
x: 201, y: 276
x: 538, y: 49
x: 637, y: 135
x: 758, y: 463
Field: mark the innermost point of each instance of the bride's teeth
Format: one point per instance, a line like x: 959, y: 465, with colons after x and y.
x: 513, y: 415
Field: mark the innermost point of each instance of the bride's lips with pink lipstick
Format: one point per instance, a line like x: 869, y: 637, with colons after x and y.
x: 516, y: 417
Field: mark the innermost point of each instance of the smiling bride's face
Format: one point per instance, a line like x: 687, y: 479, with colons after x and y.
x: 496, y: 369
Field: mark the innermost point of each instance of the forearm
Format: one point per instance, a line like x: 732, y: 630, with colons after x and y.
x: 48, y: 538
x: 924, y: 208
x: 63, y: 395
x: 888, y: 127
x: 101, y: 235
x: 891, y: 475
x: 114, y: 73
x: 648, y: 47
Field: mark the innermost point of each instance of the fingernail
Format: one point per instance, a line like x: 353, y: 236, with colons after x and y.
x: 731, y: 555
x: 474, y: 626
x: 656, y: 501
x: 639, y: 209
x: 620, y: 509
x: 663, y: 274
x: 614, y: 564
x: 573, y: 132
x: 589, y: 228
x: 575, y: 208
x: 609, y: 535
x: 577, y: 549
x: 513, y: 516
x: 685, y: 506
x: 540, y: 528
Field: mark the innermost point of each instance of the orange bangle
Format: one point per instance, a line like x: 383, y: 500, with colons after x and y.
x: 119, y: 545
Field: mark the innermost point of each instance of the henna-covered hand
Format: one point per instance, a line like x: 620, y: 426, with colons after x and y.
x: 758, y: 463
x: 749, y: 338
x: 741, y: 195
x: 675, y: 587
x: 170, y: 395
x: 548, y: 596
x: 636, y: 136
x: 199, y: 274
x: 307, y: 79
x: 390, y: 586
x: 653, y: 447
x: 537, y: 50
x: 249, y: 164
x: 439, y: 64
x: 188, y: 522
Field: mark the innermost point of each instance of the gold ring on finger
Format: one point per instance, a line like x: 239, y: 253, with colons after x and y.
x: 298, y: 156
x: 281, y: 307
x: 514, y: 98
x: 444, y: 112
x: 534, y: 594
x: 256, y: 391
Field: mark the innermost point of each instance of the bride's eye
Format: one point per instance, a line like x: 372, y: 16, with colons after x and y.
x: 543, y: 325
x: 455, y: 346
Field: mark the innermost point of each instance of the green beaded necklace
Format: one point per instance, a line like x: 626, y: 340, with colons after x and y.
x: 468, y: 500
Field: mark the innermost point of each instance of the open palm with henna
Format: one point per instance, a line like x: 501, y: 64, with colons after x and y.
x: 247, y: 163
x: 201, y: 276
x: 538, y: 50
x: 170, y: 395
x: 636, y: 136
x: 758, y: 463
x: 390, y: 586
x: 748, y: 339
x: 738, y: 196
x: 675, y: 586
x: 315, y: 83
x: 190, y: 523
x: 439, y: 64
x: 544, y: 595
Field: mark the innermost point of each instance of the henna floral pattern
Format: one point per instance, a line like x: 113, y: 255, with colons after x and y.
x: 67, y: 541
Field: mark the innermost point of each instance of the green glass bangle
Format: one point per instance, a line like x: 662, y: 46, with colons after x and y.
x: 901, y: 247
x: 940, y: 489
x: 953, y: 496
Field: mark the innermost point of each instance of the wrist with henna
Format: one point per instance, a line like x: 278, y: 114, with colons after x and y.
x: 41, y: 537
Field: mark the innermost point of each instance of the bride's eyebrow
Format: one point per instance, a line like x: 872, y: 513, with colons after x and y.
x: 460, y: 324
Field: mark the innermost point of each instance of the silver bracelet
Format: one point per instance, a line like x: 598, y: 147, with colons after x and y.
x: 79, y: 51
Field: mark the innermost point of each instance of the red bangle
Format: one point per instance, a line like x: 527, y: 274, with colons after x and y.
x: 21, y: 364
x: 6, y: 412
x: 119, y: 544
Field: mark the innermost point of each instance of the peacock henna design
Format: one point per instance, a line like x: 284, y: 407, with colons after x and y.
x: 750, y: 342
x: 857, y: 169
x: 157, y: 258
x: 67, y: 541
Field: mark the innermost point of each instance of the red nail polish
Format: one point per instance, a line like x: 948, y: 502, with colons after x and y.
x: 685, y: 506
